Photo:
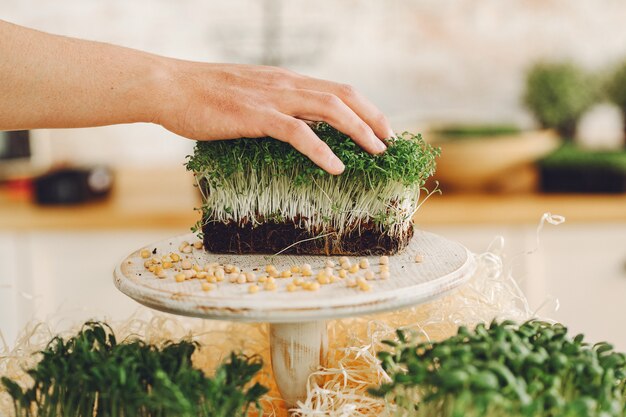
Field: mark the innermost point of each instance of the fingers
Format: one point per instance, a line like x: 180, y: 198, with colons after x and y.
x: 365, y: 109
x: 299, y: 135
x: 313, y: 105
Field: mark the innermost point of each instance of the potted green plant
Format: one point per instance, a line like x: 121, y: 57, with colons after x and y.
x: 616, y: 91
x: 530, y: 370
x: 558, y: 94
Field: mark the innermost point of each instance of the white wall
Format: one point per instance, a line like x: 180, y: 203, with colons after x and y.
x: 417, y: 59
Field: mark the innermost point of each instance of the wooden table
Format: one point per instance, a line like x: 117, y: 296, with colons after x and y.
x: 147, y: 199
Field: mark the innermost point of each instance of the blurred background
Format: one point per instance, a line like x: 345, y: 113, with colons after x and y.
x: 526, y: 99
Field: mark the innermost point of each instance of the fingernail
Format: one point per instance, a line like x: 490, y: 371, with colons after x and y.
x: 336, y: 166
x: 380, y: 146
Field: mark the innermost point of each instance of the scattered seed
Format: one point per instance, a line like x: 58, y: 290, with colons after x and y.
x: 295, y: 269
x: 207, y: 287
x: 292, y: 287
x: 354, y: 269
x: 384, y: 260
x: 145, y: 254
x: 384, y: 275
x: 198, y: 244
x: 285, y: 274
x: 342, y: 273
x: 419, y: 258
x: 369, y: 275
x: 179, y: 277
x: 364, y: 263
x: 253, y: 289
x: 330, y: 263
x: 186, y: 264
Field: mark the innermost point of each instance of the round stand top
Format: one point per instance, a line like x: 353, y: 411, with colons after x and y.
x: 444, y: 266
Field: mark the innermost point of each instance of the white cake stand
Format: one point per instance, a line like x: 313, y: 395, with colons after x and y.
x: 298, y: 336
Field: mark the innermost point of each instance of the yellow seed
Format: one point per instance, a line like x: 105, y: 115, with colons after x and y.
x: 201, y: 275
x: 364, y: 263
x: 183, y: 245
x: 307, y: 272
x: 250, y: 276
x: 384, y: 260
x: 219, y: 278
x: 167, y: 265
x: 295, y: 269
x: 314, y: 286
x: 419, y: 258
x: 369, y: 275
x: 285, y: 274
x: 263, y: 279
x: 269, y: 268
x: 323, y: 279
x: 297, y: 281
x: 145, y: 254
x: 152, y: 268
x: 384, y: 275
x: 219, y: 274
x: 344, y: 260
x: 241, y: 278
x: 175, y: 257
x: 384, y: 268
x: 211, y: 278
x: 207, y: 287
x: 330, y: 263
x: 306, y: 266
x: 161, y: 274
x: 186, y: 249
x: 351, y: 282
x: 197, y: 268
x: 198, y: 244
x: 228, y: 268
x: 253, y: 289
x: 292, y: 287
x: 354, y: 269
x: 365, y: 287
x: 328, y: 270
x: 166, y: 259
x: 189, y: 273
x: 180, y: 277
x: 155, y: 260
x: 147, y: 264
x: 270, y: 286
x: 333, y: 279
x: 186, y: 264
x: 271, y: 280
x: 342, y: 273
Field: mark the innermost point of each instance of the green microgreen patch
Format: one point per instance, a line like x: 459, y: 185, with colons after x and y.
x: 531, y: 370
x: 91, y: 374
x: 254, y: 180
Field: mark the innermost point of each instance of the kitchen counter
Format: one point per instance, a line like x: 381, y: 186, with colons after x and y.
x: 147, y: 199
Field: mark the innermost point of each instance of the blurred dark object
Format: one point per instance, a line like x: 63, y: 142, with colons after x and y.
x: 574, y: 170
x: 616, y: 92
x: 496, y: 158
x: 15, y: 153
x: 558, y: 94
x: 68, y: 186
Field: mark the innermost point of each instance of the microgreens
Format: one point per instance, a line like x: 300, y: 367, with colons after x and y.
x: 534, y: 369
x: 253, y: 180
x: 91, y: 374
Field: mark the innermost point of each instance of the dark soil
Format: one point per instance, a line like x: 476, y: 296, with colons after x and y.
x: 272, y: 237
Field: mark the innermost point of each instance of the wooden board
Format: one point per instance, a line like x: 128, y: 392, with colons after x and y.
x: 445, y: 265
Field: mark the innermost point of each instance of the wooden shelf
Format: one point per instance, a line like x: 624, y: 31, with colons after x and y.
x: 159, y: 199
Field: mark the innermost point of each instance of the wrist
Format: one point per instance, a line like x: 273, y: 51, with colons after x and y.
x: 155, y: 89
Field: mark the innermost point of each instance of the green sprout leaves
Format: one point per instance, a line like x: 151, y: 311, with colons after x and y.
x: 534, y: 369
x: 91, y: 374
x: 408, y: 159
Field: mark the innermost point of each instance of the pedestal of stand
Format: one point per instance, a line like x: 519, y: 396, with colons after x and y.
x: 298, y: 336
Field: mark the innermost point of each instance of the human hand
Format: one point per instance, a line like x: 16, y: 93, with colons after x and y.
x: 226, y: 101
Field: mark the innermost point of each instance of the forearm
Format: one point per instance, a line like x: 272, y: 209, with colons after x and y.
x: 49, y: 81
